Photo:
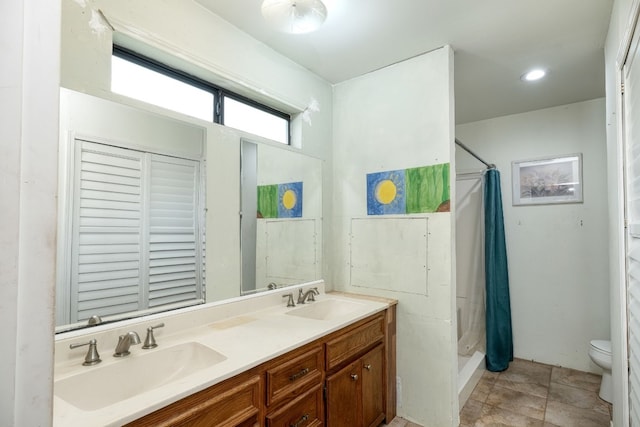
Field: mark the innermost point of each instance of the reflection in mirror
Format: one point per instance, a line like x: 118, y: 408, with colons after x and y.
x: 131, y: 212
x: 281, y: 223
x: 131, y: 242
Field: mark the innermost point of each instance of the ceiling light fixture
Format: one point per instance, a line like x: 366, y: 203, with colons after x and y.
x: 533, y: 75
x: 294, y: 16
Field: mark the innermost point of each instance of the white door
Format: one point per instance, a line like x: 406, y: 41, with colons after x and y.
x: 630, y: 89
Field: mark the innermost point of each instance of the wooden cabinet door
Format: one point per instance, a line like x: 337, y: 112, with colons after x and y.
x: 343, y: 397
x: 234, y: 403
x: 373, y: 387
x: 304, y: 411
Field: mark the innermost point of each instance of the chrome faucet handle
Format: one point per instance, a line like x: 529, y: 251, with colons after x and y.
x: 94, y: 320
x: 124, y: 342
x: 290, y: 302
x: 309, y: 295
x: 92, y: 357
x: 150, y: 340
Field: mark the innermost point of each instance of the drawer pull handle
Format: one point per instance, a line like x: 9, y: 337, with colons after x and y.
x: 303, y: 419
x: 302, y: 373
x: 354, y: 377
x: 367, y: 367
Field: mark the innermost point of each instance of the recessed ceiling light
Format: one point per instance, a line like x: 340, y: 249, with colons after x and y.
x: 533, y: 75
x: 294, y: 16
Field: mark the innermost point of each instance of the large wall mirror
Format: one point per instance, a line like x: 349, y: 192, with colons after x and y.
x: 281, y: 217
x: 135, y: 206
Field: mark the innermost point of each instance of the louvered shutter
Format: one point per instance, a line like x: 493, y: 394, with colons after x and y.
x: 175, y: 266
x: 107, y: 239
x: 632, y: 160
x: 138, y: 233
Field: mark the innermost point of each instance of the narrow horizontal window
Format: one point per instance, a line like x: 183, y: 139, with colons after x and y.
x: 149, y: 81
x: 245, y: 117
x: 147, y: 85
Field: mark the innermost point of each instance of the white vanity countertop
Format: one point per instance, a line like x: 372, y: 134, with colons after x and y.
x: 247, y: 331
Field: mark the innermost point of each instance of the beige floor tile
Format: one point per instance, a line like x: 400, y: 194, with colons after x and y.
x: 537, y: 373
x: 396, y: 422
x: 498, y: 417
x: 578, y: 379
x: 490, y: 375
x: 482, y: 389
x: 400, y: 422
x: 517, y: 401
x: 577, y: 397
x: 522, y: 384
x: 561, y: 414
x: 471, y: 412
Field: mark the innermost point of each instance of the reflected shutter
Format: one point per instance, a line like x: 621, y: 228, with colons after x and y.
x: 175, y: 266
x: 106, y: 248
x: 138, y: 234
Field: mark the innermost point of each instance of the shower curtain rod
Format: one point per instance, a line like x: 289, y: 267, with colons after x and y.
x: 468, y: 150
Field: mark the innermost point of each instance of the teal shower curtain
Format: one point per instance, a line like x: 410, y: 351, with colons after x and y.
x: 498, y: 307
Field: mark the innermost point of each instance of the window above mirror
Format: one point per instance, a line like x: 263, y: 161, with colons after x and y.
x: 141, y: 78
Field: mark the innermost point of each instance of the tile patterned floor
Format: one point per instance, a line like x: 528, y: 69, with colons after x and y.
x: 536, y: 395
x: 400, y: 422
x: 530, y: 394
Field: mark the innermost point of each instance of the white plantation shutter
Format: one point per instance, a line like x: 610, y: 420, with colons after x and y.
x: 137, y: 234
x: 631, y: 79
x: 106, y: 253
x: 175, y: 269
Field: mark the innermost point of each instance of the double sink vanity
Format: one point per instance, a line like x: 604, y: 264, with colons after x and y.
x: 250, y: 361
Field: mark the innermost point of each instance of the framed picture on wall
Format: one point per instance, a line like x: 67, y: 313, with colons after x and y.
x: 547, y: 180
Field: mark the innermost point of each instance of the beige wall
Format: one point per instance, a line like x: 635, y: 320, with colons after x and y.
x: 381, y: 125
x: 618, y: 25
x: 28, y: 131
x: 557, y: 254
x: 159, y: 29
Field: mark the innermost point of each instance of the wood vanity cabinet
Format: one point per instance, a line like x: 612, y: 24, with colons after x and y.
x: 294, y: 388
x: 232, y: 403
x: 355, y: 391
x: 344, y: 379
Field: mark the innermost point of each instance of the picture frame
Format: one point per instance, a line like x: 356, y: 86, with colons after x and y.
x: 548, y: 180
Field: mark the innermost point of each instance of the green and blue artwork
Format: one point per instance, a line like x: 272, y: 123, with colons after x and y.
x: 423, y: 189
x: 280, y: 200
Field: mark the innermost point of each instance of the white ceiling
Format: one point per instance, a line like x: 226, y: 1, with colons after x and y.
x: 495, y: 42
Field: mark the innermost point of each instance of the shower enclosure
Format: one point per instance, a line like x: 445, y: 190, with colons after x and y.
x: 470, y: 281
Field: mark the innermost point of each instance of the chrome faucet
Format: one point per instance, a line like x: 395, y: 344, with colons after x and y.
x: 92, y: 357
x: 124, y: 342
x: 289, y: 297
x: 307, y: 296
x: 150, y: 340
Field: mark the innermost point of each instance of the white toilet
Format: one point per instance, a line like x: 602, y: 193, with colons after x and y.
x: 600, y: 353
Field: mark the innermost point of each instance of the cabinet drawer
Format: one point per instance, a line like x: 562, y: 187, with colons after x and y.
x: 235, y: 404
x: 354, y: 341
x: 305, y: 411
x: 294, y: 376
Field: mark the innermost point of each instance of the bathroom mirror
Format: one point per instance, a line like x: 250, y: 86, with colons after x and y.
x: 281, y: 217
x: 278, y: 248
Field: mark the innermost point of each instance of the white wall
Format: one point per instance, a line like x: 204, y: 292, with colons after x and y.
x: 394, y: 118
x: 618, y: 25
x: 185, y: 35
x: 29, y: 82
x: 557, y: 254
x: 29, y: 75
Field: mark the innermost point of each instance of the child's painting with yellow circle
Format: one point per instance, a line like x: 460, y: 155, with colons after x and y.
x: 386, y: 193
x: 290, y: 200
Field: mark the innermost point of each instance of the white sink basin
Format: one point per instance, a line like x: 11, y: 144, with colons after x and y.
x: 326, y: 309
x: 101, y: 386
